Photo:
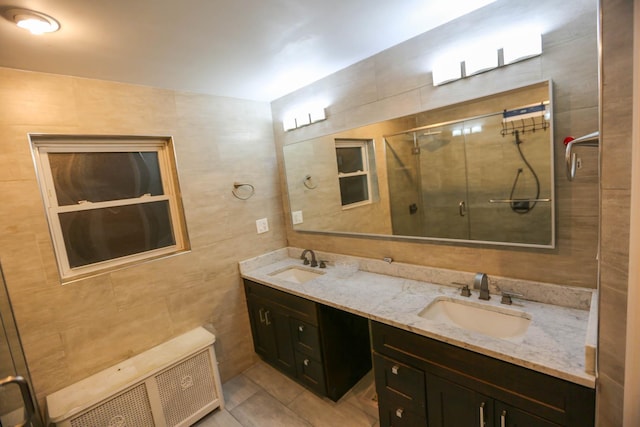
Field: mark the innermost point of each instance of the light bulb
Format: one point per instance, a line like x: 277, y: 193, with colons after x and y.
x: 34, y: 25
x: 34, y: 22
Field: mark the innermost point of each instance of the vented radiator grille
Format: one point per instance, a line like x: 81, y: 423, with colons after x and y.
x: 173, y: 384
x: 186, y: 388
x: 129, y: 409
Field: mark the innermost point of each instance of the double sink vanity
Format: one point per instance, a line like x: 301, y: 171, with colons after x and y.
x: 441, y: 355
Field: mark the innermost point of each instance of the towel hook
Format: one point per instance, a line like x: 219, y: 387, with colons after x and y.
x: 237, y: 185
x: 308, y: 182
x: 589, y: 140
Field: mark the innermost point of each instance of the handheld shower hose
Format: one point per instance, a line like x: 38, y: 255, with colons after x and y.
x: 524, y: 206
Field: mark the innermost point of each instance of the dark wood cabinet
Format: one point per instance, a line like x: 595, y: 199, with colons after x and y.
x: 440, y: 385
x: 450, y: 404
x: 325, y: 349
x: 271, y: 334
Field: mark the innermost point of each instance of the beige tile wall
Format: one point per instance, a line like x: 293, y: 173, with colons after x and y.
x: 397, y: 82
x: 74, y: 330
x: 617, y: 101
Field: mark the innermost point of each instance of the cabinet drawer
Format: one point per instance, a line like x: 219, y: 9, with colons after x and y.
x: 397, y: 416
x: 293, y: 305
x: 401, y: 383
x: 310, y: 372
x: 306, y: 338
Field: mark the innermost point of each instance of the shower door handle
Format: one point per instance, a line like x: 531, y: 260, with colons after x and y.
x: 462, y: 208
x: 26, y: 396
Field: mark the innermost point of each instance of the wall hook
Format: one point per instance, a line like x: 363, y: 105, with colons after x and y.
x: 237, y: 185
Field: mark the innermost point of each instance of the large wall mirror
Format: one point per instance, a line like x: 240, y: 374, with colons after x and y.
x: 476, y: 172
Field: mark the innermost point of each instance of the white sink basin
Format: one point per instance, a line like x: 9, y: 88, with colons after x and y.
x: 496, y: 322
x: 296, y: 274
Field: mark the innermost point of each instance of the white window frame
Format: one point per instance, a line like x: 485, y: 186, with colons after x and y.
x: 364, y: 152
x: 42, y: 145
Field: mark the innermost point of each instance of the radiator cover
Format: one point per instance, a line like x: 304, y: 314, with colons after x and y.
x: 173, y: 384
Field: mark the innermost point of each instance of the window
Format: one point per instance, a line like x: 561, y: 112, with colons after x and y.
x: 109, y: 201
x: 353, y: 172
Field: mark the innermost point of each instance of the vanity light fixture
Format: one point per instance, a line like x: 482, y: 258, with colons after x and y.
x: 303, y: 117
x: 522, y: 47
x: 466, y: 131
x: 35, y: 22
x: 317, y: 114
x: 479, y: 60
x: 515, y: 46
x: 445, y: 71
x: 289, y: 122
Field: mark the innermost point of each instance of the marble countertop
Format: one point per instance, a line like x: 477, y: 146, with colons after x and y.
x: 554, y: 343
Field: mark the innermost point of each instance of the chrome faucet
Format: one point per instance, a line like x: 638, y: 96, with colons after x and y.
x: 482, y: 282
x: 314, y: 263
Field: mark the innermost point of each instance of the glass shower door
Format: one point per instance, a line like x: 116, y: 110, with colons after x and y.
x: 444, y: 182
x: 403, y: 172
x: 17, y: 406
x: 426, y: 171
x: 500, y: 169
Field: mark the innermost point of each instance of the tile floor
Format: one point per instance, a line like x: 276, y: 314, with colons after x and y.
x: 263, y: 397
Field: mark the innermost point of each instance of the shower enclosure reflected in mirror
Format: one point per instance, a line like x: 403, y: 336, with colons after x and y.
x: 480, y: 171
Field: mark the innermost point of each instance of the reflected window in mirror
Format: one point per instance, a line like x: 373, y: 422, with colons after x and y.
x: 352, y: 157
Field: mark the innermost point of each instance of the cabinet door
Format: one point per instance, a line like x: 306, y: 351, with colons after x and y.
x: 508, y: 416
x: 284, y: 356
x: 271, y: 334
x: 264, y: 341
x: 451, y: 405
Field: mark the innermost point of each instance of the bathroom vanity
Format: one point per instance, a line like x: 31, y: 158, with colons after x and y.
x: 325, y: 349
x: 428, y: 370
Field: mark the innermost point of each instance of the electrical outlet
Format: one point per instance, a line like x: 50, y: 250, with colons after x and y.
x: 262, y: 225
x: 296, y: 217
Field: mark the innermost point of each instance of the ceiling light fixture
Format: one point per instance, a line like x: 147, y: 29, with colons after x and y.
x: 35, y: 22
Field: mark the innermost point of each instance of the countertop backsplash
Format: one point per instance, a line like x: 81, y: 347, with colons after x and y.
x: 548, y: 293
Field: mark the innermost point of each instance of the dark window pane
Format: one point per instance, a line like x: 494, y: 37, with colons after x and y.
x: 101, y: 234
x: 353, y: 189
x: 99, y: 177
x: 349, y: 159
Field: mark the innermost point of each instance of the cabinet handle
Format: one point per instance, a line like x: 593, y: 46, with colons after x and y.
x: 301, y: 328
x: 306, y: 362
x: 266, y: 318
x: 482, y: 422
x: 395, y: 369
x: 503, y: 419
x: 261, y: 312
x: 399, y: 412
